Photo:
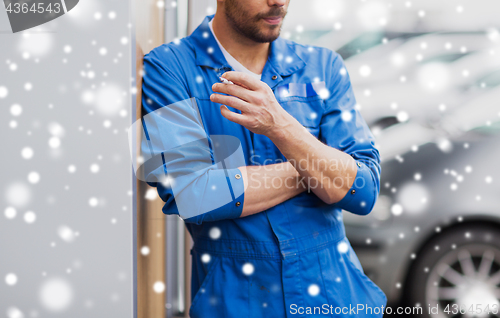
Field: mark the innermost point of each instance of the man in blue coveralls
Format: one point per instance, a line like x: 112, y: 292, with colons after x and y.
x: 269, y: 239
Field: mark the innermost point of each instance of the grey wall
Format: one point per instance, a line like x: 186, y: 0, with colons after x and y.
x: 65, y: 160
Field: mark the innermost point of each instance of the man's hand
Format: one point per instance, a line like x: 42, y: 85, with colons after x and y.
x: 260, y: 111
x: 329, y: 171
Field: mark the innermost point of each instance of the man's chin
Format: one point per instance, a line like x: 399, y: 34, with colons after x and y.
x: 266, y: 39
x: 263, y: 33
x: 272, y: 35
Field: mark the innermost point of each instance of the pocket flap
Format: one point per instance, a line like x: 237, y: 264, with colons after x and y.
x: 303, y: 101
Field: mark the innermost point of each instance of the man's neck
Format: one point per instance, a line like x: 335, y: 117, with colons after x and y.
x: 251, y: 54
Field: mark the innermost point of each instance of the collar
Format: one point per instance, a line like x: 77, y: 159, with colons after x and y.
x: 282, y: 59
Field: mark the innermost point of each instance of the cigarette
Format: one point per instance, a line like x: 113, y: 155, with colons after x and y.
x: 225, y: 81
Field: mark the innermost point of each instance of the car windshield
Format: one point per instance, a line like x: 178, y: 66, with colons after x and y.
x: 491, y: 129
x: 490, y: 80
x: 369, y: 40
x: 445, y: 58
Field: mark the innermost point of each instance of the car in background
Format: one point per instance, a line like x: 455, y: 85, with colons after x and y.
x: 433, y: 237
x: 422, y: 76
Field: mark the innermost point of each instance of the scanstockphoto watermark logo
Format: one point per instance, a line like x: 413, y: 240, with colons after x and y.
x: 26, y: 14
x: 310, y: 164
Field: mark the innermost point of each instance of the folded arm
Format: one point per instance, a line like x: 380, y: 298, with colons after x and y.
x: 270, y: 185
x: 341, y: 168
x: 182, y: 165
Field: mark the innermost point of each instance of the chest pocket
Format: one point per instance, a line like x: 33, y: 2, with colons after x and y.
x: 306, y: 105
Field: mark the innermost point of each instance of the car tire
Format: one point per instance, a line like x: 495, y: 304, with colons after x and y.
x: 459, y: 266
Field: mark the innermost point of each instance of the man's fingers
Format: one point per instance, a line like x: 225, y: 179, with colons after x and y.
x: 234, y: 90
x: 243, y: 79
x: 232, y: 116
x: 232, y: 101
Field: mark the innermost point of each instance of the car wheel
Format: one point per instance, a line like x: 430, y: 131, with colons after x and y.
x: 457, y: 274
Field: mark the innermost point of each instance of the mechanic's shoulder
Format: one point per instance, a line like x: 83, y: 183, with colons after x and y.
x: 307, y: 52
x: 171, y: 53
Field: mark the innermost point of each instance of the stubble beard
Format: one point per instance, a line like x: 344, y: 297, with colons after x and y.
x: 248, y: 26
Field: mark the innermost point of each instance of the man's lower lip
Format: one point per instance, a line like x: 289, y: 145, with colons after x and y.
x: 273, y: 20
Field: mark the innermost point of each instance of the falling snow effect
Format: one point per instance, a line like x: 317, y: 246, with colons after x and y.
x: 428, y: 88
x: 10, y: 212
x: 248, y: 269
x: 33, y: 177
x: 397, y: 209
x: 205, y: 258
x: 93, y: 202
x: 215, y: 233
x: 151, y: 194
x: 56, y: 294
x: 13, y: 312
x: 66, y: 233
x: 3, y: 92
x: 313, y: 290
x: 18, y: 194
x: 145, y: 250
x: 29, y: 217
x: 11, y: 279
x: 27, y: 153
x: 342, y: 247
x: 159, y: 287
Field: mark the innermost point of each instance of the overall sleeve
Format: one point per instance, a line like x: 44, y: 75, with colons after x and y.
x: 179, y: 158
x: 343, y: 128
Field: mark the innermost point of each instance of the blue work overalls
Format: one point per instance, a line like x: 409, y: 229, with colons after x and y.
x: 292, y: 260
